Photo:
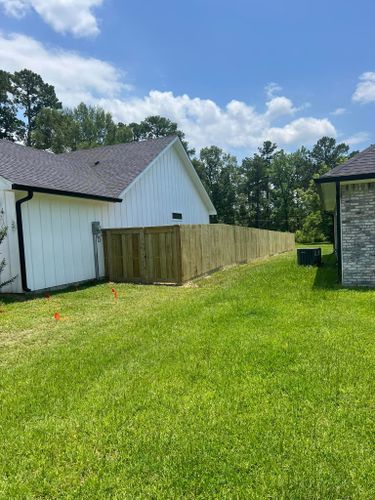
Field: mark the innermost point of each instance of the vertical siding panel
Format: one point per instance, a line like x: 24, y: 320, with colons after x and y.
x: 58, y: 239
x: 86, y: 249
x: 74, y: 224
x: 66, y: 235
x: 36, y: 243
x: 47, y: 242
x: 9, y: 249
x: 152, y: 191
x: 97, y: 215
x: 27, y: 241
x: 165, y: 188
x: 136, y: 207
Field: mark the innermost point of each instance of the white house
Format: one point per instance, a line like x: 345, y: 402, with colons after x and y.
x: 50, y: 201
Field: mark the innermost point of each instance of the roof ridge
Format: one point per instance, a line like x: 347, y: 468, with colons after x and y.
x: 108, y: 146
x: 68, y: 153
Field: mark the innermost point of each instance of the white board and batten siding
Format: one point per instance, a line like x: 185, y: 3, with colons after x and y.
x: 165, y: 187
x: 58, y: 240
x: 57, y: 229
x: 9, y: 247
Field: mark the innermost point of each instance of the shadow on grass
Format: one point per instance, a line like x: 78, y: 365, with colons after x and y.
x: 327, y: 274
x: 11, y: 298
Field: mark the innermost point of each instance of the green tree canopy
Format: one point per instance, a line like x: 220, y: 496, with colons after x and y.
x: 32, y: 94
x: 158, y: 126
x: 10, y: 126
x: 256, y: 185
x: 218, y: 172
x: 82, y: 127
x: 54, y: 130
x: 327, y: 154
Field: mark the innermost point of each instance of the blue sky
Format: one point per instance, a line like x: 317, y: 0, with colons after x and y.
x: 230, y: 73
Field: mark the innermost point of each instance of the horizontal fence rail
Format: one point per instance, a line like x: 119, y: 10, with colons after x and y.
x: 176, y: 254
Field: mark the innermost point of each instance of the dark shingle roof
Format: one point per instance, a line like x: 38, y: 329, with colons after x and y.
x: 99, y: 172
x: 361, y: 165
x: 120, y: 164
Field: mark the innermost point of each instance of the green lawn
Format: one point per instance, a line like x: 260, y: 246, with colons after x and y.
x: 257, y: 382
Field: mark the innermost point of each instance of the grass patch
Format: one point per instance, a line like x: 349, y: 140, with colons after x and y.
x: 257, y: 383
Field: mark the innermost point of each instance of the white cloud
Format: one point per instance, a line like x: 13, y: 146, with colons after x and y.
x: 358, y: 138
x: 75, y: 78
x: 15, y: 8
x: 302, y: 130
x: 236, y: 125
x: 74, y: 16
x: 365, y: 90
x: 338, y: 112
x: 271, y: 89
x: 279, y: 106
x: 203, y: 121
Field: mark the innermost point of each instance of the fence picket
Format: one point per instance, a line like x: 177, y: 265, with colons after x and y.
x: 175, y: 254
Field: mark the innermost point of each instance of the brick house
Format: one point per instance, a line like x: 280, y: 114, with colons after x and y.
x: 348, y: 191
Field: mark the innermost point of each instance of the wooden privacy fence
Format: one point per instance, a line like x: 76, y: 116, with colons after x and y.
x: 175, y: 254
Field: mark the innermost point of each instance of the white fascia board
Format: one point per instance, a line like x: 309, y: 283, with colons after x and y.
x: 195, y: 177
x: 5, y: 184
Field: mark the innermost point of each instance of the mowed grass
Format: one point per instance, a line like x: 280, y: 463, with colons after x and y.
x: 257, y: 382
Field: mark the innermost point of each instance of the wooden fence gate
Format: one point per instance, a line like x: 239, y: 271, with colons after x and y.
x: 144, y: 255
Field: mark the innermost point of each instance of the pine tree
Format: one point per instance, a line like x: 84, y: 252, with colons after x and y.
x: 32, y: 94
x: 10, y: 126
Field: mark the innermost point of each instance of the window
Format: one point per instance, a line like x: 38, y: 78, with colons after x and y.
x: 176, y: 215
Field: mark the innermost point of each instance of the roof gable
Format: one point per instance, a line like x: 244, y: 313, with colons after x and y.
x: 188, y: 166
x: 120, y: 164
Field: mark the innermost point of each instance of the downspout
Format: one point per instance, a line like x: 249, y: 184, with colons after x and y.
x: 338, y: 229
x: 21, y: 241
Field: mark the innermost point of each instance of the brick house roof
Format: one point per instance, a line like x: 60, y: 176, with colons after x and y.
x: 361, y: 166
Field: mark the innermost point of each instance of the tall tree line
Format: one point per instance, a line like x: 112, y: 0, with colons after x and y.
x: 271, y: 189
x: 31, y: 112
